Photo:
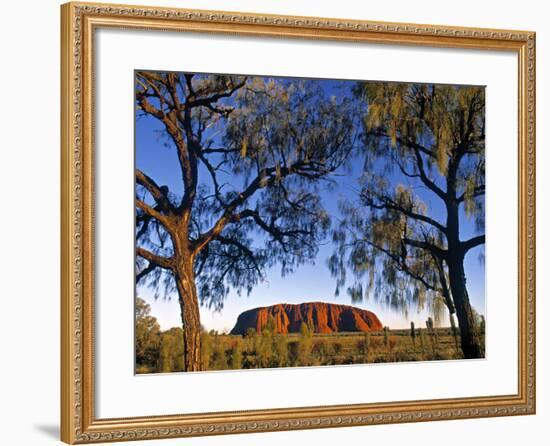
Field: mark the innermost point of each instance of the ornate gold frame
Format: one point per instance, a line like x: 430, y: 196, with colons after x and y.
x: 78, y: 423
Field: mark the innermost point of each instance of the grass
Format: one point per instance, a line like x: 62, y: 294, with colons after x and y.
x: 224, y: 352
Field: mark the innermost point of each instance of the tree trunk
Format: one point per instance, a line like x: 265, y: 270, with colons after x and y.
x: 469, y: 338
x: 189, y: 305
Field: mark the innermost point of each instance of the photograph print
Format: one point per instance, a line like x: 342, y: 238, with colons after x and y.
x: 290, y: 222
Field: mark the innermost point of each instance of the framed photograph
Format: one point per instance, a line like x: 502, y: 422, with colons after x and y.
x: 275, y: 223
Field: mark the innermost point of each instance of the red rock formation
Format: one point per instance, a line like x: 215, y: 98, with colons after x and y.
x: 324, y: 317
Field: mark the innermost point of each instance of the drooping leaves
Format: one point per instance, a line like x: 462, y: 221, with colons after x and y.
x: 252, y: 152
x: 425, y: 148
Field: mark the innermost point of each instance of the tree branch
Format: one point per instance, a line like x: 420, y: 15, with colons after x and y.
x: 473, y: 242
x: 418, y: 149
x: 152, y: 212
x: 155, y: 191
x: 244, y: 249
x: 265, y: 178
x: 435, y: 250
x: 407, y: 143
x: 219, y: 150
x: 145, y: 271
x: 208, y: 101
x: 392, y: 205
x: 402, y: 265
x: 145, y: 105
x: 271, y: 229
x: 443, y: 282
x: 429, y: 183
x: 212, y: 171
x: 162, y: 262
x: 478, y: 191
x: 226, y: 217
x: 170, y: 121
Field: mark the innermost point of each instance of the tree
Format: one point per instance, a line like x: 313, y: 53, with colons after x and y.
x: 250, y: 153
x: 219, y: 359
x: 425, y: 150
x: 171, y: 351
x: 305, y: 344
x: 237, y: 354
x: 147, y: 336
x: 281, y: 350
x: 264, y: 348
x: 206, y: 350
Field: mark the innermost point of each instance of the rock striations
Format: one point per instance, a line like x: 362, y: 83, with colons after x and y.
x: 323, y: 317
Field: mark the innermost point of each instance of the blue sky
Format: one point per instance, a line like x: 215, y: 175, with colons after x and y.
x: 311, y: 282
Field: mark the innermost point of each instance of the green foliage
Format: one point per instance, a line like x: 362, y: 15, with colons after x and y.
x: 206, y: 350
x: 411, y: 112
x: 281, y: 351
x: 171, y: 351
x: 264, y: 348
x: 219, y: 359
x: 227, y: 352
x: 479, y: 321
x: 156, y: 351
x: 432, y: 333
x: 270, y: 325
x: 325, y: 352
x: 147, y: 336
x: 364, y: 346
x: 237, y: 354
x: 277, y: 138
x: 482, y: 324
x: 417, y: 137
x: 304, y: 345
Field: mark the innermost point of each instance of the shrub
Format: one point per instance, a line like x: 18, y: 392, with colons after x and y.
x: 363, y: 347
x: 148, y: 335
x: 237, y: 354
x: 304, y: 345
x: 431, y: 333
x: 281, y: 351
x: 422, y: 341
x: 219, y: 359
x: 263, y: 347
x: 206, y: 350
x: 171, y: 351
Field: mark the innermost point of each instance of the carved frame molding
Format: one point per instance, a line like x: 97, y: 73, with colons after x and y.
x: 78, y: 424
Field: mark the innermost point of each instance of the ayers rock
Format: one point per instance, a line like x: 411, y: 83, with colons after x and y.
x: 324, y: 317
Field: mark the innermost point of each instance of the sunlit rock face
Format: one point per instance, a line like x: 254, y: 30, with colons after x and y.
x: 323, y: 317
